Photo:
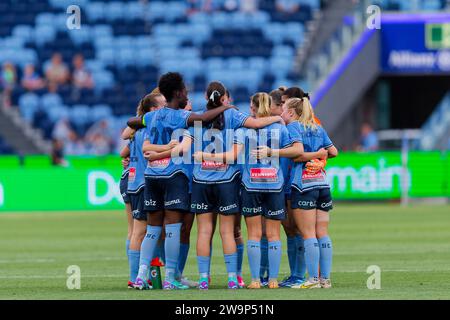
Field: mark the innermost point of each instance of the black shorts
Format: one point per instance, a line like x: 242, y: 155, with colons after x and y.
x: 313, y: 199
x: 123, y: 187
x: 270, y: 205
x: 170, y: 193
x: 220, y: 198
x: 137, y: 205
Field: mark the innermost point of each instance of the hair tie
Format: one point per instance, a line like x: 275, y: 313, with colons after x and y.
x: 306, y: 95
x: 211, y: 97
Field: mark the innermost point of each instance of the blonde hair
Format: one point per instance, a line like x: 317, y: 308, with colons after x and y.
x: 304, y: 111
x: 156, y: 90
x: 147, y: 103
x: 262, y: 101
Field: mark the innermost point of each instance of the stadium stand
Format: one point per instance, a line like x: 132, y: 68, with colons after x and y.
x: 126, y: 45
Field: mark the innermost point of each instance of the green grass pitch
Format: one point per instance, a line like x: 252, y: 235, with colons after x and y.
x: 410, y: 245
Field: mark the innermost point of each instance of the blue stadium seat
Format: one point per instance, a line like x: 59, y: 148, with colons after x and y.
x: 28, y: 105
x: 101, y: 111
x: 50, y: 100
x: 133, y: 10
x: 81, y: 35
x: 44, y: 34
x: 58, y: 112
x: 102, y: 30
x: 24, y: 32
x: 95, y: 10
x: 80, y: 114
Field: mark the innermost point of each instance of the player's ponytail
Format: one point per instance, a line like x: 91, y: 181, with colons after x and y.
x: 304, y: 111
x: 262, y: 102
x: 214, y: 94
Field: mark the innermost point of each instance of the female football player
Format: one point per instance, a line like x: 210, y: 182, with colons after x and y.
x: 167, y: 183
x: 216, y: 180
x: 135, y: 184
x: 310, y: 197
x: 262, y: 191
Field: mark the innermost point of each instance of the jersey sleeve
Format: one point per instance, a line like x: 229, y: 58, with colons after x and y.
x: 146, y: 119
x: 295, y: 133
x: 239, y: 136
x: 238, y: 118
x: 285, y: 139
x: 183, y: 117
x: 326, y: 140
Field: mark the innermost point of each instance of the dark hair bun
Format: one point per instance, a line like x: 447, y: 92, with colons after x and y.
x: 306, y: 95
x: 215, y: 97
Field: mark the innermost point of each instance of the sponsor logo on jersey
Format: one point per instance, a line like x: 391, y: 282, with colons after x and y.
x: 263, y: 175
x: 214, y: 166
x: 161, y: 163
x: 132, y: 174
x: 313, y: 177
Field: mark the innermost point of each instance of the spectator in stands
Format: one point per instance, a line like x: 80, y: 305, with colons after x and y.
x: 287, y: 6
x: 8, y: 79
x: 74, y: 145
x: 369, y: 139
x: 81, y: 77
x: 31, y: 80
x: 62, y: 130
x: 205, y: 5
x: 99, y: 138
x: 100, y: 144
x: 57, y: 71
x: 248, y: 6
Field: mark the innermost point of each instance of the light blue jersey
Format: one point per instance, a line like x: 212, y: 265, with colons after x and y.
x: 136, y: 180
x: 217, y: 141
x: 161, y: 124
x: 312, y: 141
x: 264, y: 175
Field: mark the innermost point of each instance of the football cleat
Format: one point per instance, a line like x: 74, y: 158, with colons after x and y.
x: 174, y: 285
x: 141, y: 284
x: 241, y: 282
x: 273, y: 284
x: 189, y: 283
x: 325, y: 283
x: 264, y: 281
x: 285, y: 281
x: 232, y: 283
x: 130, y: 285
x: 203, y: 284
x: 254, y: 285
x: 309, y: 284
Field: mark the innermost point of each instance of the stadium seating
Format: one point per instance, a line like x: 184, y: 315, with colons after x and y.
x: 5, y: 148
x: 128, y: 44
